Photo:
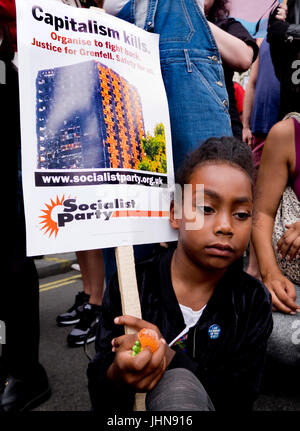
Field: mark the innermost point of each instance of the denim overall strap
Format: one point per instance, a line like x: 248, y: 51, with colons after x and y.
x: 150, y: 15
x: 182, y: 25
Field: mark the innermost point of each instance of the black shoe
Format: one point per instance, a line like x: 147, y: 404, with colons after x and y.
x: 85, y: 330
x: 24, y: 394
x: 72, y: 316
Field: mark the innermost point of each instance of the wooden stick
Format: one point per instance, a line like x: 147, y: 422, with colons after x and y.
x: 128, y: 284
x: 285, y: 2
x: 129, y: 297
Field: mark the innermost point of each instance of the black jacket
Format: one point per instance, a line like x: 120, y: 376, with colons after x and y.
x: 230, y: 367
x: 284, y: 40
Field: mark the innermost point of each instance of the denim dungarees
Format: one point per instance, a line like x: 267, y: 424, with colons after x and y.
x: 191, y: 69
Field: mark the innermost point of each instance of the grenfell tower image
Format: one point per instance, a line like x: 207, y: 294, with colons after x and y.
x: 87, y: 116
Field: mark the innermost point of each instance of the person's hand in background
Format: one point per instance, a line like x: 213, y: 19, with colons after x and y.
x: 282, y: 10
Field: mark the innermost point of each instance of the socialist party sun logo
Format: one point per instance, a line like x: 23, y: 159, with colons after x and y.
x: 49, y: 222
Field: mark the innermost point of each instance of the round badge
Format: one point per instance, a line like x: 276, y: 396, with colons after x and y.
x: 214, y: 331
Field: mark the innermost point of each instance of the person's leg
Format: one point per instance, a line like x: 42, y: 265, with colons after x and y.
x: 92, y: 270
x: 27, y: 383
x: 21, y: 316
x: 178, y: 390
x: 80, y: 255
x: 19, y: 302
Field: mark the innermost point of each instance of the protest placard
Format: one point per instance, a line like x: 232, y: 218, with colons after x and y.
x: 96, y: 143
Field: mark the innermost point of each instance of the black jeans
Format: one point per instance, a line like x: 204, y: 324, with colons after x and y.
x: 19, y: 310
x: 19, y: 291
x: 179, y: 390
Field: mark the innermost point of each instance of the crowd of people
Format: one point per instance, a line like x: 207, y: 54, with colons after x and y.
x: 223, y: 300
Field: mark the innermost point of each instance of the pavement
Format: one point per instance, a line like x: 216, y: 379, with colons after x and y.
x: 53, y: 264
x: 66, y: 367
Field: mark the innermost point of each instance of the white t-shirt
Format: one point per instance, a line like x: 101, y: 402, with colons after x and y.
x: 190, y: 318
x: 114, y: 6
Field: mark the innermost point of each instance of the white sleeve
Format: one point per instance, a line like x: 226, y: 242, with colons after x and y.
x: 201, y: 4
x: 113, y: 7
x: 74, y: 3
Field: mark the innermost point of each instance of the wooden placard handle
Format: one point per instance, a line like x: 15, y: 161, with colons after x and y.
x: 129, y: 297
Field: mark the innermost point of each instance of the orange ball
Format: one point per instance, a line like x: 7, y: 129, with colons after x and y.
x: 148, y: 338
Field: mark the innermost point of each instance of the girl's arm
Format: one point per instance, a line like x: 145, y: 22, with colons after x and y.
x: 276, y: 162
x: 234, y: 52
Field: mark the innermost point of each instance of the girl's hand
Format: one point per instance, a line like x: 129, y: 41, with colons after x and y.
x: 289, y: 243
x: 283, y: 293
x: 143, y: 371
x: 281, y: 12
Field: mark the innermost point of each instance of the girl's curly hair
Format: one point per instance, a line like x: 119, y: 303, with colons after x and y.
x: 219, y: 11
x: 228, y: 150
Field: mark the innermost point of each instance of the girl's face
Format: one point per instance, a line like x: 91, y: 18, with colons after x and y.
x: 227, y: 213
x: 208, y: 4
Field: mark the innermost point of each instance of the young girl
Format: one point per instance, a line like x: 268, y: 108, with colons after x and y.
x: 213, y: 319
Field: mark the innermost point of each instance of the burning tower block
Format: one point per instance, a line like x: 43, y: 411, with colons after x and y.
x: 88, y: 116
